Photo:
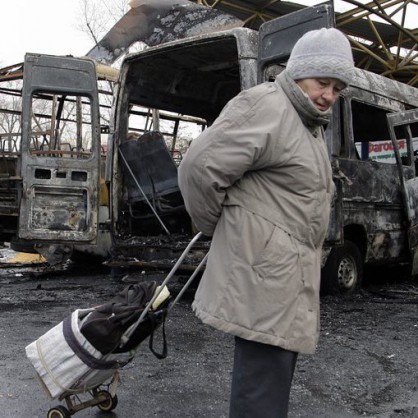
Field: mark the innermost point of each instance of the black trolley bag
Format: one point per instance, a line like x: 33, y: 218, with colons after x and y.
x: 88, y: 348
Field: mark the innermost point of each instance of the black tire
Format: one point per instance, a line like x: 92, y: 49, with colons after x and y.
x: 343, y: 271
x: 59, y: 412
x: 109, y: 404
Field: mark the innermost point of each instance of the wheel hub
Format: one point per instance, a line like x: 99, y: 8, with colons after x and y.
x: 347, y: 273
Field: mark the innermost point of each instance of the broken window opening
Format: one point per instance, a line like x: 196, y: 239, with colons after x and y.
x: 61, y: 123
x: 371, y: 135
x: 409, y: 134
x: 178, y: 130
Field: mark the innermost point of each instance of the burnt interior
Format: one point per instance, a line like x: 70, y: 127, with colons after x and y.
x: 194, y: 79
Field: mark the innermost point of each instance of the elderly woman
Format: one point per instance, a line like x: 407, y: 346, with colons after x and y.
x: 259, y: 182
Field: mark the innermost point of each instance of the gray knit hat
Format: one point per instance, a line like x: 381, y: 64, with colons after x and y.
x: 321, y: 53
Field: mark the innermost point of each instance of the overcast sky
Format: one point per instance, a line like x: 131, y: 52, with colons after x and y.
x: 44, y: 26
x: 50, y: 27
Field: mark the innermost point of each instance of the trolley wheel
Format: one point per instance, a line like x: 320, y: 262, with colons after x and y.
x: 59, y: 412
x: 109, y: 404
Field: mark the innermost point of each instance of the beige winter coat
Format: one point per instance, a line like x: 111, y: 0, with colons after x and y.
x: 259, y: 180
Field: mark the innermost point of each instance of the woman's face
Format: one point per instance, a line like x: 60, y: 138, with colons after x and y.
x: 322, y: 91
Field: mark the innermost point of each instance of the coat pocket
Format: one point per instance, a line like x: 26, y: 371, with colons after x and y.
x: 278, y: 266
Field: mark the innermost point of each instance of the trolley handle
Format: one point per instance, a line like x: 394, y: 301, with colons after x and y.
x: 131, y: 329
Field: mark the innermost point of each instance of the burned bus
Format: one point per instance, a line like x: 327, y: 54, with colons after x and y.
x: 374, y: 214
x: 60, y: 125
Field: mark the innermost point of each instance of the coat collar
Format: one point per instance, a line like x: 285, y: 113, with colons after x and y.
x: 310, y: 115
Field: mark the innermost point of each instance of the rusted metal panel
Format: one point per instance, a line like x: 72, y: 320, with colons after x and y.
x: 60, y: 196
x: 385, y: 87
x: 370, y: 181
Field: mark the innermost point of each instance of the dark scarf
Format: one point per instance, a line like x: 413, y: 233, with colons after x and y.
x: 311, y: 116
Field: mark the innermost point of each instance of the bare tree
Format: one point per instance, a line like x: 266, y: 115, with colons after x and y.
x: 98, y: 16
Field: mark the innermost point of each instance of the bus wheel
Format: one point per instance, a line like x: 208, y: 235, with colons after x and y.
x: 343, y: 271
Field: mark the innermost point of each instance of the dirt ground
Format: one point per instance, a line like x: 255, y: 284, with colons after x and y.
x: 366, y: 364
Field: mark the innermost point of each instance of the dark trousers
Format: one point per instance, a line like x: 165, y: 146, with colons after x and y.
x: 261, y: 380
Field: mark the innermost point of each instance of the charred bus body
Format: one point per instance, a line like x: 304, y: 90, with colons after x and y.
x: 370, y: 142
x: 51, y: 155
x: 370, y: 220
